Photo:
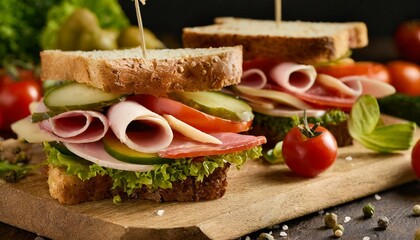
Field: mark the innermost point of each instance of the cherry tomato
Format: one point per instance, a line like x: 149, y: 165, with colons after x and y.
x: 405, y: 77
x: 415, y: 159
x: 309, y: 156
x: 407, y: 40
x: 371, y: 70
x: 15, y: 97
x: 191, y: 116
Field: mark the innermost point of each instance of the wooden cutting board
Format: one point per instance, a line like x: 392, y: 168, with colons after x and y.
x: 259, y: 195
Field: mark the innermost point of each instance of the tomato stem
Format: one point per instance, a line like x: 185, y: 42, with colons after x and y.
x: 306, y: 130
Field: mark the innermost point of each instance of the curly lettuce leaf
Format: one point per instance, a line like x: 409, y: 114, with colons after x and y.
x: 161, y: 176
x: 365, y: 126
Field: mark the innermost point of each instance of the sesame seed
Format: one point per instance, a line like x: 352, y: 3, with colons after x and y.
x: 377, y: 197
x: 349, y: 158
x: 366, y: 238
x: 285, y: 227
x: 283, y: 234
x: 160, y: 212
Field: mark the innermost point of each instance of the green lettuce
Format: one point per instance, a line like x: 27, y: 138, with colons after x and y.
x: 161, y: 176
x: 365, y: 126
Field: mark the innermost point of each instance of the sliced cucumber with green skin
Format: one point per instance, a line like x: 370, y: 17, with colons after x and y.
x: 216, y: 104
x: 120, y: 151
x: 41, y: 116
x: 78, y: 96
x: 61, y: 148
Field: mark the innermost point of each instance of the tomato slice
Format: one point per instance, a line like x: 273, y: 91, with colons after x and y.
x: 202, y: 121
x: 371, y: 70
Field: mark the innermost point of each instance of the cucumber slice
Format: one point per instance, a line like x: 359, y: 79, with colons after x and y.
x: 123, y: 153
x: 216, y: 104
x: 78, y: 96
x: 61, y: 148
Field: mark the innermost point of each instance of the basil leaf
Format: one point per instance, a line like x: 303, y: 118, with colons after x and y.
x: 365, y: 126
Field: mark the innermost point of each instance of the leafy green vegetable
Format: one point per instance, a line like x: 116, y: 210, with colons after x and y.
x: 275, y: 128
x: 20, y: 28
x: 365, y: 126
x: 109, y: 13
x: 161, y: 176
x: 402, y: 106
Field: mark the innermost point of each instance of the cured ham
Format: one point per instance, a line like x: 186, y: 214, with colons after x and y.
x: 290, y: 87
x: 293, y: 77
x: 95, y: 152
x: 231, y: 142
x: 139, y: 128
x: 76, y: 126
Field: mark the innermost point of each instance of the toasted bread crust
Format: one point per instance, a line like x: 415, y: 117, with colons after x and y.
x: 68, y: 189
x: 271, y: 42
x: 124, y: 73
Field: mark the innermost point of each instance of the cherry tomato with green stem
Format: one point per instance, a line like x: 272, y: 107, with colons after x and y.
x: 309, y: 150
x: 415, y: 159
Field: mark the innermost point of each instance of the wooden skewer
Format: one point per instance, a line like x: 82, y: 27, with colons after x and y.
x: 140, y: 23
x: 278, y: 11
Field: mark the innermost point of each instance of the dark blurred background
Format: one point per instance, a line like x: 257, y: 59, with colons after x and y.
x: 166, y: 18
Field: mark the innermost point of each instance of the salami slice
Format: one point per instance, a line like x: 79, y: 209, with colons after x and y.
x: 182, y: 147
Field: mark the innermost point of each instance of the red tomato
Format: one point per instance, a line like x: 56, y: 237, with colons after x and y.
x: 415, y: 159
x: 191, y: 116
x: 405, y: 77
x: 309, y: 156
x: 15, y: 97
x: 407, y: 40
x: 372, y: 70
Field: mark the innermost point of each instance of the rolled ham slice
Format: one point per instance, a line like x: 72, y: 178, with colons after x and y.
x: 139, y: 128
x: 254, y: 78
x: 349, y: 86
x: 76, y: 126
x: 372, y: 87
x: 182, y: 147
x: 95, y: 152
x: 293, y: 77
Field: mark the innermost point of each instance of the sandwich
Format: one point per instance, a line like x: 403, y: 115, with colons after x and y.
x: 287, y: 69
x: 115, y: 124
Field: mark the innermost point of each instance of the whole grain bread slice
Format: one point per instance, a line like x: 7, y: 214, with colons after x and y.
x: 304, y: 42
x: 69, y: 189
x: 164, y: 70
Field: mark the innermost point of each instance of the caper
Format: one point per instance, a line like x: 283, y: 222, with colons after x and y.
x: 383, y: 222
x: 338, y: 230
x: 417, y: 234
x: 265, y: 236
x: 10, y: 176
x: 330, y: 220
x: 416, y: 210
x: 368, y: 210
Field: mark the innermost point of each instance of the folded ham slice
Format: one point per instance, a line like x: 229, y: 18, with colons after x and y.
x: 76, y: 126
x: 293, y: 77
x: 182, y: 147
x: 139, y: 128
x: 95, y: 152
